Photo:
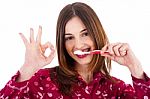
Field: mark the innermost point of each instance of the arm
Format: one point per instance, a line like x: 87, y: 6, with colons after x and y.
x: 142, y: 86
x: 122, y: 54
x: 29, y: 89
x: 35, y: 59
x: 34, y: 55
x: 15, y: 89
x: 139, y: 90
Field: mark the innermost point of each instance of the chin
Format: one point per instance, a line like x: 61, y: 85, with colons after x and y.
x: 86, y: 62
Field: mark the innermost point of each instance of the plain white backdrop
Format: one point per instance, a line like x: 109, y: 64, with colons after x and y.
x: 123, y: 20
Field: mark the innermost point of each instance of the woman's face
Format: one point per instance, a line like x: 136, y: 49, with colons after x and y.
x: 77, y: 38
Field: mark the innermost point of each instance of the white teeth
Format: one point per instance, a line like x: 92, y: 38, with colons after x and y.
x: 86, y: 50
x: 79, y: 52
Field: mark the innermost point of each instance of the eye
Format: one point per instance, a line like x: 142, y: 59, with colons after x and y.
x: 68, y: 38
x: 85, y: 34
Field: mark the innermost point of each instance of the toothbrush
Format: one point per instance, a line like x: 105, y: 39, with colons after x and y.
x: 79, y: 52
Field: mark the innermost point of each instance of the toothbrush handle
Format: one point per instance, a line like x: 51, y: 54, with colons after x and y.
x: 98, y: 52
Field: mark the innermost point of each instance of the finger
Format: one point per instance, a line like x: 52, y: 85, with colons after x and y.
x: 31, y: 35
x: 123, y: 49
x: 104, y: 48
x: 45, y: 46
x: 110, y: 48
x: 38, y: 38
x: 123, y: 53
x: 116, y: 49
x: 108, y: 56
x: 51, y: 47
x: 24, y: 39
x: 52, y: 53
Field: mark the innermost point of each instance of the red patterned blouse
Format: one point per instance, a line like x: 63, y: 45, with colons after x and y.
x: 40, y: 86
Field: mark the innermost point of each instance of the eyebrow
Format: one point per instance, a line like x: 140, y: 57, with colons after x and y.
x: 83, y: 30
x: 80, y: 32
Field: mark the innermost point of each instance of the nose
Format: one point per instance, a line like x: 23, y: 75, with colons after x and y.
x: 79, y: 44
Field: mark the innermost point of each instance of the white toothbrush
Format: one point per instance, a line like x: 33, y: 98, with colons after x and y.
x: 79, y: 52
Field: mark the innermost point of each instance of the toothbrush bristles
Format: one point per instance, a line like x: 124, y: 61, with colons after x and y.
x: 79, y: 52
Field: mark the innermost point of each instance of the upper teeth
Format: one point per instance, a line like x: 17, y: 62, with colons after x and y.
x: 78, y: 52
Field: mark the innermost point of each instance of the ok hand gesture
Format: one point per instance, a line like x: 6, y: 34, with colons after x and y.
x: 34, y: 55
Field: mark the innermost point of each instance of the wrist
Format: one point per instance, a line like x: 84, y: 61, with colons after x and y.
x: 26, y: 72
x: 137, y: 71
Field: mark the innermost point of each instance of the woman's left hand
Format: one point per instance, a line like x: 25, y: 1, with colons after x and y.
x: 122, y: 54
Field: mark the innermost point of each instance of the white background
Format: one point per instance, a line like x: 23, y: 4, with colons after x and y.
x: 123, y: 20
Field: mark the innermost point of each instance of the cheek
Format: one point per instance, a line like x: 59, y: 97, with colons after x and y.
x: 90, y: 42
x: 68, y: 46
x: 93, y: 45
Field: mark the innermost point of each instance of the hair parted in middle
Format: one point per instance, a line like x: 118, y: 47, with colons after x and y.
x: 95, y: 30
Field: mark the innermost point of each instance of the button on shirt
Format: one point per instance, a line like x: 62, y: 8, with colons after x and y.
x: 41, y: 86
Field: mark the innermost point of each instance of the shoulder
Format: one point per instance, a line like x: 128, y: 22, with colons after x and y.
x: 44, y: 73
x: 42, y: 81
x: 117, y: 82
x: 120, y: 85
x: 109, y: 80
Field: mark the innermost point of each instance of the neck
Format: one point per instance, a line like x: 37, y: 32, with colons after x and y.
x: 84, y: 72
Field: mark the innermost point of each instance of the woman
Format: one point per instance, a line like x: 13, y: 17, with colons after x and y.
x: 77, y: 76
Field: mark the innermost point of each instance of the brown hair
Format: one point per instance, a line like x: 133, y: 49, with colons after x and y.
x: 97, y: 33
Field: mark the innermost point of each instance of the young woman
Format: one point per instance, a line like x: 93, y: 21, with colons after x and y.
x: 78, y: 76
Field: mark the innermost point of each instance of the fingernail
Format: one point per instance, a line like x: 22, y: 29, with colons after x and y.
x: 31, y: 29
x: 40, y: 26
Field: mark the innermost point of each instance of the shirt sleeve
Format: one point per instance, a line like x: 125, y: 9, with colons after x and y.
x: 15, y: 89
x: 140, y: 89
x: 34, y: 88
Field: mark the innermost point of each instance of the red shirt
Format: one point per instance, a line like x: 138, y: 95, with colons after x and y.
x: 40, y: 86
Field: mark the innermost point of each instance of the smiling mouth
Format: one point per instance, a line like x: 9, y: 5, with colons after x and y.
x: 86, y: 50
x: 83, y: 55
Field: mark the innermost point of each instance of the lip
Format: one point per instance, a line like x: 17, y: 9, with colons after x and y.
x: 83, y: 50
x: 81, y: 56
x: 86, y: 49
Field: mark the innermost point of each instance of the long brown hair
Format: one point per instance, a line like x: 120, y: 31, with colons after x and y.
x: 66, y: 63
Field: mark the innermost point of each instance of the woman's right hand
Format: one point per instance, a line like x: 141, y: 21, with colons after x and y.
x: 35, y: 58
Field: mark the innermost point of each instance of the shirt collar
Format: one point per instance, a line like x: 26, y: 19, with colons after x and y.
x: 97, y: 77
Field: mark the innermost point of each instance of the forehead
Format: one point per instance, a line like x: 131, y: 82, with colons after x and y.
x: 74, y: 25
